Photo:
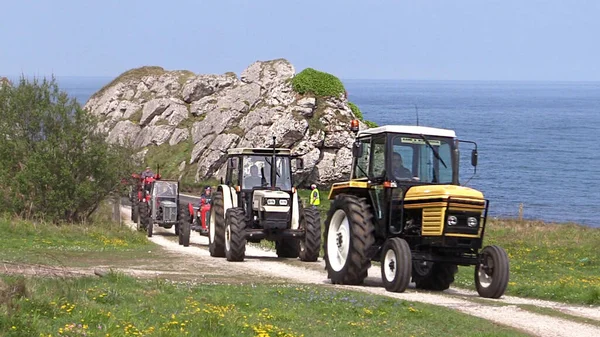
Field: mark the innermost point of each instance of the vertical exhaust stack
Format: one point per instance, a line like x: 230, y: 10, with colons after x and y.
x: 273, y: 167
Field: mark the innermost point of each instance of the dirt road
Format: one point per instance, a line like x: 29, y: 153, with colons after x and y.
x: 261, y: 264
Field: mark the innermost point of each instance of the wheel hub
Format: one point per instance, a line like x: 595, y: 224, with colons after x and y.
x: 339, y: 239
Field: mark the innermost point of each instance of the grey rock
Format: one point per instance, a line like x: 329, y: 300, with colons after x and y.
x: 200, y: 146
x: 179, y: 135
x: 123, y: 133
x: 153, y: 134
x: 205, y: 85
x: 154, y: 108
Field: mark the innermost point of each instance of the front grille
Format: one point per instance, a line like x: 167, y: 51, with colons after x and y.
x: 462, y: 227
x: 170, y: 214
x: 275, y: 220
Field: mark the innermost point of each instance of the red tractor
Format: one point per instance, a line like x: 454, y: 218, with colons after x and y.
x: 140, y: 192
x: 200, y: 216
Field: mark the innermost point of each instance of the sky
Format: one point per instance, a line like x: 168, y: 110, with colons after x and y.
x: 552, y: 40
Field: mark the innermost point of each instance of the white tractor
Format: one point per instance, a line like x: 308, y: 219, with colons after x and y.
x: 259, y: 202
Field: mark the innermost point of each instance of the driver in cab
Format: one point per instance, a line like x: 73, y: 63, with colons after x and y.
x: 399, y: 170
x: 253, y: 180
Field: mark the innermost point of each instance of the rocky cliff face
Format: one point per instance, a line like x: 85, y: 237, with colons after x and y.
x: 194, y: 119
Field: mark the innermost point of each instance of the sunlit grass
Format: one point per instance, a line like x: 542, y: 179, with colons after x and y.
x: 122, y: 306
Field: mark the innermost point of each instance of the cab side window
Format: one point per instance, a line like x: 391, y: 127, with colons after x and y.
x: 361, y: 166
x: 378, y: 158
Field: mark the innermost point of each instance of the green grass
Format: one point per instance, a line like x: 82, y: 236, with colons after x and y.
x: 118, y: 305
x: 169, y: 157
x: 548, y: 261
x: 311, y: 81
x: 48, y: 243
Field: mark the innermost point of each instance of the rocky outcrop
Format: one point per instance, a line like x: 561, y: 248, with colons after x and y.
x: 211, y: 113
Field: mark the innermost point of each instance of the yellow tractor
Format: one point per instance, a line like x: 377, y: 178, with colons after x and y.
x: 404, y: 207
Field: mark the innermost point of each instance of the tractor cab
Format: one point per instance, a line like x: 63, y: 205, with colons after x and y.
x: 405, y: 207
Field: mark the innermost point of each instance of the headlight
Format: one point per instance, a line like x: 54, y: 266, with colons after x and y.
x: 472, y: 221
x: 271, y: 202
x: 283, y: 202
x: 452, y: 220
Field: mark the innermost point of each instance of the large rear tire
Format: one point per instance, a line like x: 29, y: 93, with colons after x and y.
x: 135, y: 212
x: 235, y: 234
x: 183, y: 228
x: 310, y: 246
x: 349, y: 236
x: 492, y: 274
x: 145, y: 219
x: 216, y: 226
x: 396, y: 265
x: 433, y: 276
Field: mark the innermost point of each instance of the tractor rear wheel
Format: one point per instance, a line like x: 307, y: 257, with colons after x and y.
x: 184, y: 226
x: 349, y: 236
x: 491, y: 275
x: 145, y: 218
x: 216, y: 226
x: 310, y: 246
x: 135, y: 212
x: 433, y: 276
x: 287, y: 248
x: 396, y: 265
x: 235, y: 234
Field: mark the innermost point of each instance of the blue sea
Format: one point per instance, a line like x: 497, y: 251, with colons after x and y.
x: 536, y: 140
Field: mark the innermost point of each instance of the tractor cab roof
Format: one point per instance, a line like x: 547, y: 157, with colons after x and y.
x: 258, y: 151
x: 410, y: 129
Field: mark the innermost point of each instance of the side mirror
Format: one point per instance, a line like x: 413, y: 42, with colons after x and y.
x: 474, y: 157
x: 357, y: 150
x: 299, y: 164
x: 233, y: 163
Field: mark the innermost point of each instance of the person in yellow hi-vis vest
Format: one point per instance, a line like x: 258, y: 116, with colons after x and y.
x: 315, y: 198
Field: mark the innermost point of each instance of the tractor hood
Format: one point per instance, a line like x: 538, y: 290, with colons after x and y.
x: 442, y: 192
x: 270, y: 201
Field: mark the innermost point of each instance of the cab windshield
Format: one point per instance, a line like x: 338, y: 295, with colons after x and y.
x: 165, y: 189
x: 426, y: 159
x: 257, y: 172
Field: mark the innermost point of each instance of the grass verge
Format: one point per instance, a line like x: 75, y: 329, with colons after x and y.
x: 118, y: 305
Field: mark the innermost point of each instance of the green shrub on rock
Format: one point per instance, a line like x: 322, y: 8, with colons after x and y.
x: 311, y: 81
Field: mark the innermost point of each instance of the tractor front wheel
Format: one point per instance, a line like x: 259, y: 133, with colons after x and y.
x: 145, y: 218
x: 349, y: 237
x: 216, y: 226
x: 235, y: 236
x: 396, y: 265
x: 492, y: 273
x: 183, y: 228
x: 310, y: 246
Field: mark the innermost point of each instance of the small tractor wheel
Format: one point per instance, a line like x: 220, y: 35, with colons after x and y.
x: 135, y: 212
x: 310, y: 246
x: 396, y: 265
x: 492, y: 273
x: 235, y: 234
x: 433, y: 276
x: 349, y: 236
x: 216, y: 227
x: 145, y: 218
x: 177, y: 229
x: 184, y: 228
x: 287, y: 248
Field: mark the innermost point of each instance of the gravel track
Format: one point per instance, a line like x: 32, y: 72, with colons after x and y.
x: 504, y: 311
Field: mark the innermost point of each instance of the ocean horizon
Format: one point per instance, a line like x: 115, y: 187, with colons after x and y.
x: 535, y: 138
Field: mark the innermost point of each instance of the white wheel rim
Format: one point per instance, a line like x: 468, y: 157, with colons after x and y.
x: 338, y: 240
x: 227, y: 237
x: 211, y: 228
x: 390, y: 265
x: 485, y: 280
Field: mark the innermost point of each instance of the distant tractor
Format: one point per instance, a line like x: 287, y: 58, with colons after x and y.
x: 163, y: 209
x: 259, y: 202
x: 404, y: 206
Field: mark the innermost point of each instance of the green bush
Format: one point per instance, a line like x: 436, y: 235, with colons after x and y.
x: 311, y: 81
x: 54, y: 164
